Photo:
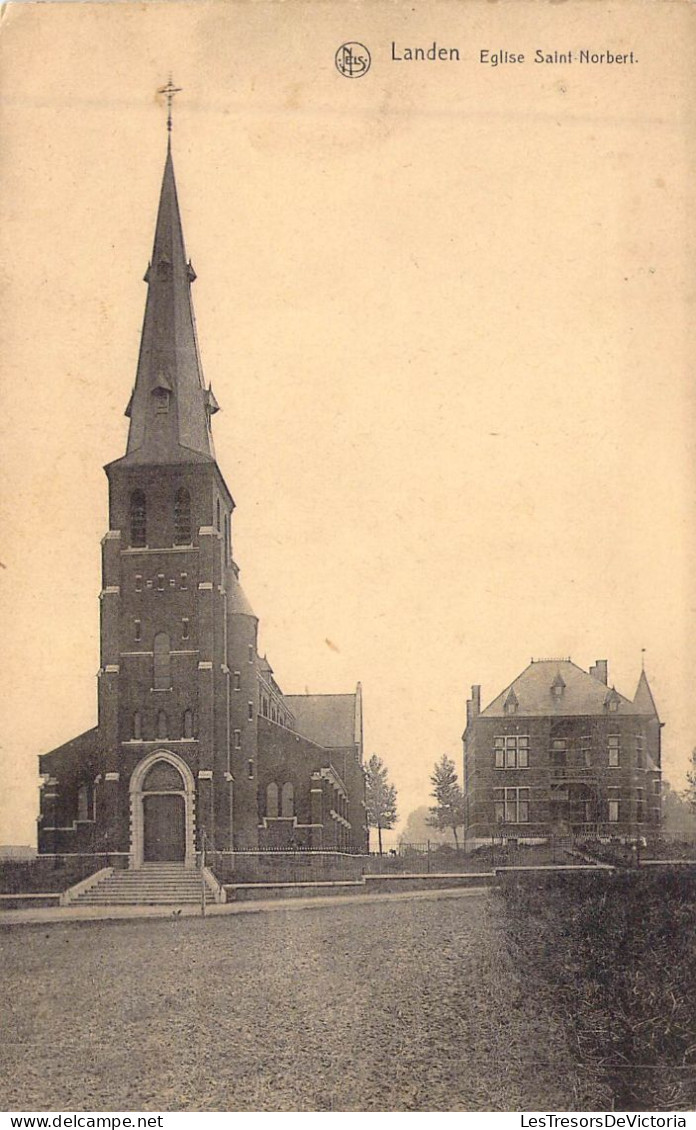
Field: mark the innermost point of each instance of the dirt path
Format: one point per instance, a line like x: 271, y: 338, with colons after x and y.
x: 410, y: 1004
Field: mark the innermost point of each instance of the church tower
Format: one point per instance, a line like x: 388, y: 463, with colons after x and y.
x: 175, y: 747
x: 195, y: 742
x: 170, y: 592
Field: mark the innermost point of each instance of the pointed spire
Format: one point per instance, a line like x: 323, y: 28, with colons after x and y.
x: 170, y: 407
x: 643, y: 698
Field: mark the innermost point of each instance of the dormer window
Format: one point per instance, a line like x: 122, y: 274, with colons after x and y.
x: 511, y: 703
x: 558, y: 687
x: 161, y: 392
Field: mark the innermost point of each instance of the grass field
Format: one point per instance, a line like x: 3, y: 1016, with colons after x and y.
x: 380, y: 1006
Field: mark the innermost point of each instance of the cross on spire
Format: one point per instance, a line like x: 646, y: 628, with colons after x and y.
x: 169, y: 91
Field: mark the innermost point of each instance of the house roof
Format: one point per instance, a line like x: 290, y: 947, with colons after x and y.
x: 643, y: 698
x: 580, y: 692
x: 330, y: 720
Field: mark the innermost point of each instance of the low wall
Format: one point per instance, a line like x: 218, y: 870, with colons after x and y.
x: 31, y: 901
x: 403, y: 883
x: 49, y: 873
x: 284, y: 866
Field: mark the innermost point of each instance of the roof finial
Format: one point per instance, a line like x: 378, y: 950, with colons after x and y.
x: 169, y: 91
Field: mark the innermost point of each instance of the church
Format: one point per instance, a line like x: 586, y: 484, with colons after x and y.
x: 195, y: 741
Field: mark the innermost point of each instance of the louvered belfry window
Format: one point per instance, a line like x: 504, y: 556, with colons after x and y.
x: 182, y: 517
x: 138, y: 519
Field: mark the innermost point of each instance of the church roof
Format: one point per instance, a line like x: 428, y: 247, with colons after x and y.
x: 238, y: 602
x: 170, y: 407
x: 327, y: 719
x: 581, y: 693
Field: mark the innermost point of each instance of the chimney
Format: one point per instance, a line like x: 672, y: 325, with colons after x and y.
x: 473, y: 705
x: 600, y: 671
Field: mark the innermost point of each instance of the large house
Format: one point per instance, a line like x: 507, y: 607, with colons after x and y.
x: 560, y: 751
x: 193, y: 731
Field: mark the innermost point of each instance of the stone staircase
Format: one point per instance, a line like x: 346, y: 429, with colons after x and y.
x: 154, y: 884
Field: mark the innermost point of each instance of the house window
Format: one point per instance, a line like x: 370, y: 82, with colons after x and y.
x: 138, y: 519
x: 613, y: 811
x: 237, y: 681
x: 614, y: 744
x: 272, y: 800
x: 559, y: 749
x: 237, y: 739
x: 138, y: 582
x: 184, y: 628
x: 511, y: 806
x: 162, y: 678
x: 137, y: 630
x: 512, y: 752
x: 288, y: 800
x: 188, y: 723
x: 183, y: 581
x: 586, y: 751
x: 250, y: 712
x: 137, y: 726
x: 162, y: 725
x: 182, y: 517
x: 640, y: 805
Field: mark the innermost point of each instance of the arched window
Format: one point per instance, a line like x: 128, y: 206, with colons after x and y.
x: 288, y: 799
x: 162, y: 679
x: 272, y: 799
x: 83, y: 806
x: 138, y: 518
x: 137, y: 726
x: 188, y: 723
x: 182, y: 517
x: 162, y: 725
x: 217, y: 515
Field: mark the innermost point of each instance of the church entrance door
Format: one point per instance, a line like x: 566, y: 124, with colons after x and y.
x: 165, y: 828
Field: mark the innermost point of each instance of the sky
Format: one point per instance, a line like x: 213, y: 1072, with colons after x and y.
x: 445, y: 308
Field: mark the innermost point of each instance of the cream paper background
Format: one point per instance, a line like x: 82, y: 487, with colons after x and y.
x: 447, y: 310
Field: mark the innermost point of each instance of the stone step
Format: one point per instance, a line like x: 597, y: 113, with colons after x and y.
x: 142, y: 901
x: 166, y: 884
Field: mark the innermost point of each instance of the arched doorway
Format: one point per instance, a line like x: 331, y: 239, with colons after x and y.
x: 162, y: 811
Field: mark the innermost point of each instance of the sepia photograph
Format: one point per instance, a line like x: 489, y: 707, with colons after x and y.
x: 347, y: 507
